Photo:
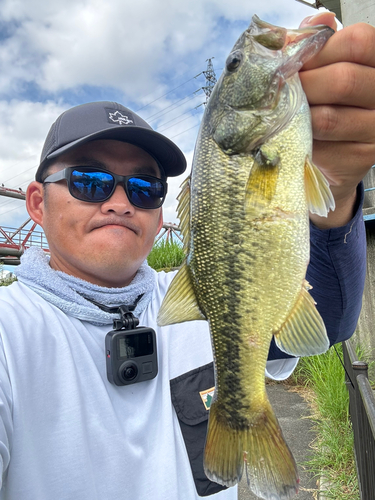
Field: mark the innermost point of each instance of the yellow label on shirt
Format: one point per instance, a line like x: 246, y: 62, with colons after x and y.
x: 207, y: 396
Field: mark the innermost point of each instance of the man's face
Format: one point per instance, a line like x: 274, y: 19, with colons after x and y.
x: 103, y: 243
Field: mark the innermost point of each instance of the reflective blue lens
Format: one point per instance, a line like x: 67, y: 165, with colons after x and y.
x: 143, y: 191
x: 91, y: 186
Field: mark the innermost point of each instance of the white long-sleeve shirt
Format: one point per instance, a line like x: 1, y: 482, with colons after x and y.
x: 66, y: 433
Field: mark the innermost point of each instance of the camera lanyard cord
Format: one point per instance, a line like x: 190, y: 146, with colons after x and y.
x: 127, y: 320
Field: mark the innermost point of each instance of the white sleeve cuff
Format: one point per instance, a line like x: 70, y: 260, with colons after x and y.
x: 280, y: 369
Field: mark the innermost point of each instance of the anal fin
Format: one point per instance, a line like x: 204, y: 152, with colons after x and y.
x: 304, y: 332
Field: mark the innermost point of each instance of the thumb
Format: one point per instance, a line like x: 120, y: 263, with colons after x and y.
x: 326, y: 18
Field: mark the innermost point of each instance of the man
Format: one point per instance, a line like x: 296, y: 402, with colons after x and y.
x: 66, y: 432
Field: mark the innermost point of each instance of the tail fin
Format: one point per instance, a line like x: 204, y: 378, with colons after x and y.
x: 223, y: 454
x: 270, y: 466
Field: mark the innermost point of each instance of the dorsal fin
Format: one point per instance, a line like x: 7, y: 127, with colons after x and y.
x: 183, y: 212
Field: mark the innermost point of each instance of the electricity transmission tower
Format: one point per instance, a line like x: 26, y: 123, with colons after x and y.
x: 210, y: 79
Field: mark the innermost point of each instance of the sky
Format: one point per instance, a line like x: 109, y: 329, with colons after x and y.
x: 147, y: 54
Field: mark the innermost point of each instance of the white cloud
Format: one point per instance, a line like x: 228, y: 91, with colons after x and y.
x: 52, y: 52
x: 23, y: 127
x: 122, y: 44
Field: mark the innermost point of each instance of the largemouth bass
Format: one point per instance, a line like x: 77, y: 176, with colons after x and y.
x: 244, y: 217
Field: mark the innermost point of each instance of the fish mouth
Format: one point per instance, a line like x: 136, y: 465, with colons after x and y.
x: 278, y: 38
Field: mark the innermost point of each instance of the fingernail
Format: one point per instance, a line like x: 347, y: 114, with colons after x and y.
x: 306, y: 20
x: 326, y: 18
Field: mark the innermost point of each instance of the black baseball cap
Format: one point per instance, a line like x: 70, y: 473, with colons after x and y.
x: 109, y: 120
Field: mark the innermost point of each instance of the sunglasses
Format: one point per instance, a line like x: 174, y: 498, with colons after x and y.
x: 95, y: 185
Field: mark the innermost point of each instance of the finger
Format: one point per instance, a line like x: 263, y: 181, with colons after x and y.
x: 343, y: 162
x: 326, y: 18
x: 343, y: 123
x: 341, y: 83
x: 354, y: 43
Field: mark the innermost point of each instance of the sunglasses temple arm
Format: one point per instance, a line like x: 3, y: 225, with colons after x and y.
x: 57, y: 176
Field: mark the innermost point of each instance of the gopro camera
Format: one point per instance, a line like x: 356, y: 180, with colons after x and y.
x: 131, y: 356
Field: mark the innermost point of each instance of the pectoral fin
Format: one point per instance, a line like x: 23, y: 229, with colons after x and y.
x: 262, y: 182
x: 180, y: 303
x: 319, y: 197
x: 304, y: 332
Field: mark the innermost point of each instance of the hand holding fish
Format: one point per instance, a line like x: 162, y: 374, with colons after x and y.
x: 339, y: 83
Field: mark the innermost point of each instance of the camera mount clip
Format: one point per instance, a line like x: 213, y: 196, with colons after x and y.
x: 127, y: 319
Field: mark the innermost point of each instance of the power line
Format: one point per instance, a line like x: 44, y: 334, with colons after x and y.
x: 151, y: 102
x: 178, y: 116
x: 171, y: 105
x: 7, y: 203
x: 170, y: 126
x: 174, y: 124
x: 12, y: 210
x: 158, y: 114
x: 33, y: 167
x: 185, y: 131
x: 174, y: 78
x: 179, y: 105
x: 194, y: 94
x: 182, y: 84
x: 25, y: 182
x: 157, y: 128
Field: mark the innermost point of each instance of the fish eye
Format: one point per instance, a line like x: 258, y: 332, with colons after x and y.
x: 234, y: 60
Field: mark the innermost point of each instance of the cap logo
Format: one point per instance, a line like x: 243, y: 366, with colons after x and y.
x: 121, y: 119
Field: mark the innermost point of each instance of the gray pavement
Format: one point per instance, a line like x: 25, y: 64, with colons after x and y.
x: 291, y: 410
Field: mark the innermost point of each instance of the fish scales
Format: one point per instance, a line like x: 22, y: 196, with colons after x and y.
x: 222, y: 305
x: 244, y: 217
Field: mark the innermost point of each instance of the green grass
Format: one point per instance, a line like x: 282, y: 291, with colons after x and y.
x: 166, y: 256
x: 333, y: 455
